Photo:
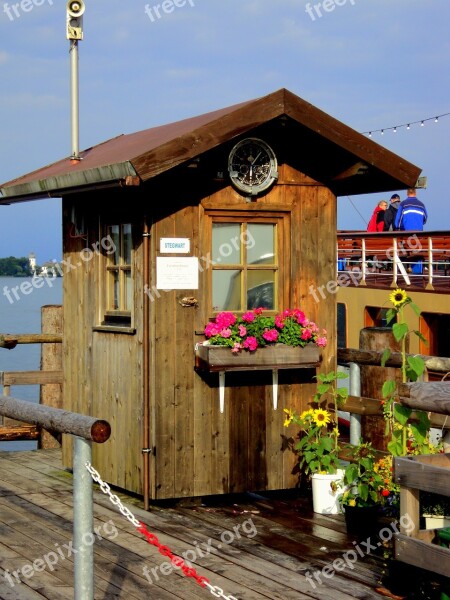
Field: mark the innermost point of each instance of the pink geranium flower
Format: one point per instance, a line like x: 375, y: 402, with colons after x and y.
x: 256, y: 328
x: 271, y: 335
x: 306, y: 334
x: 249, y: 317
x: 251, y: 343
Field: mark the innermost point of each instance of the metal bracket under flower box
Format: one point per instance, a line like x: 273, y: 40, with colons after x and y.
x: 220, y: 359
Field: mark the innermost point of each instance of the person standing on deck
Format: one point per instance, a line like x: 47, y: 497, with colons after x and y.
x: 391, y: 212
x: 412, y: 214
x: 376, y: 222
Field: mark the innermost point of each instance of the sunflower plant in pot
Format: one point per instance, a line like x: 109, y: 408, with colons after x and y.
x: 317, y: 442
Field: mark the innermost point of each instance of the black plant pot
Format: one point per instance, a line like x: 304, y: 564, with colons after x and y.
x: 362, y: 520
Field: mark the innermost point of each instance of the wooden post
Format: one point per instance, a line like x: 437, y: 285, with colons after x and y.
x: 51, y: 360
x: 372, y: 379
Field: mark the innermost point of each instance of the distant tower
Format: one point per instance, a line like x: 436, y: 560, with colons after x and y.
x: 32, y: 261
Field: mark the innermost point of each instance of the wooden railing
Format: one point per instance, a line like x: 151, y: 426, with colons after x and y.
x: 429, y: 473
x: 50, y: 378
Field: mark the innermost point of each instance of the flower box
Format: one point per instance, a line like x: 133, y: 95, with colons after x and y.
x: 278, y: 356
x: 436, y: 521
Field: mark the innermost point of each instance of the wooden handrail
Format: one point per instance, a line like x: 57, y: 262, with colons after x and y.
x: 56, y: 419
x: 10, y: 341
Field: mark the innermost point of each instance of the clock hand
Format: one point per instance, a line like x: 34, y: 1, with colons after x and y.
x: 256, y: 158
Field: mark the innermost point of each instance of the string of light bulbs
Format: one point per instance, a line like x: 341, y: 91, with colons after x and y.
x: 421, y: 122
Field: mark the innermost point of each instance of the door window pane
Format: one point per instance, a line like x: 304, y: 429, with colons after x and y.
x: 226, y: 290
x: 260, y: 289
x: 226, y: 245
x: 260, y: 243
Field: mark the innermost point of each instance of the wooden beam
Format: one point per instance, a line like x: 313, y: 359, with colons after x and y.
x: 423, y: 555
x: 372, y: 357
x: 429, y: 396
x: 10, y: 341
x: 410, y: 472
x: 19, y: 432
x: 30, y: 377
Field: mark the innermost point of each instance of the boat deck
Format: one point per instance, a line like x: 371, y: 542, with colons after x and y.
x: 252, y: 547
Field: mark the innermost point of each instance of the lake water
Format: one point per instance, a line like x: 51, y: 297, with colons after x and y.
x: 23, y: 315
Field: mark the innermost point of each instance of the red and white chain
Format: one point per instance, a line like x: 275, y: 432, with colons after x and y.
x: 152, y: 539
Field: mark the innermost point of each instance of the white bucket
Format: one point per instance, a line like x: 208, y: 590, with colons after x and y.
x: 325, y: 496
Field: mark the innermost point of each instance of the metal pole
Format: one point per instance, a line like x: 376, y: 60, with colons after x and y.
x: 83, y: 521
x: 74, y: 99
x: 355, y: 390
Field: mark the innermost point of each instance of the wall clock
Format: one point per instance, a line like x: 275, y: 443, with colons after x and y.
x: 252, y: 166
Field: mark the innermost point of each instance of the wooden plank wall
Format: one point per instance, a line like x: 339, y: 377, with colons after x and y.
x: 197, y: 450
x: 102, y: 371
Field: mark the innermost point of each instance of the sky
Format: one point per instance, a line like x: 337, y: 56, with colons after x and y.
x: 372, y: 64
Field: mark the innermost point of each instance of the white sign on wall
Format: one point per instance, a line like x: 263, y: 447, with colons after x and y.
x: 174, y: 245
x: 177, y: 273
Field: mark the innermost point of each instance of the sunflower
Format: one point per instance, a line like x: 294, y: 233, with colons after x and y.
x: 289, y: 418
x: 398, y: 297
x: 321, y: 417
x: 307, y: 413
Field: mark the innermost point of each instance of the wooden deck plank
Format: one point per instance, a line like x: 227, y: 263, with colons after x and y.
x: 36, y: 512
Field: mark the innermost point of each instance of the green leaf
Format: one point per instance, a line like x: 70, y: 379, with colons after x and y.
x: 419, y: 432
x: 351, y: 473
x: 385, y: 356
x: 395, y: 447
x: 402, y: 414
x: 391, y: 314
x: 415, y: 308
x: 340, y: 375
x: 399, y: 330
x: 323, y: 388
x: 423, y: 419
x: 388, y: 388
x: 421, y: 337
x: 417, y: 364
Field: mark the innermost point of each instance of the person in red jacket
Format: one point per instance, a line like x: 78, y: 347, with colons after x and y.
x: 376, y: 222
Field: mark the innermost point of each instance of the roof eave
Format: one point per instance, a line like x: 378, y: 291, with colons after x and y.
x: 68, y: 183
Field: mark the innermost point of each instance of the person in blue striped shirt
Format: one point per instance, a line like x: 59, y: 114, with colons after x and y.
x: 412, y: 214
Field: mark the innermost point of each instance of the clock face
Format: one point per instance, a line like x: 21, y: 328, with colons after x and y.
x: 252, y: 166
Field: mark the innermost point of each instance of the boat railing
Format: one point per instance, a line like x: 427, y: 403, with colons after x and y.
x: 393, y: 256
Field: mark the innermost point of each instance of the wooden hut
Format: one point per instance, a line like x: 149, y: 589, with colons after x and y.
x: 144, y: 216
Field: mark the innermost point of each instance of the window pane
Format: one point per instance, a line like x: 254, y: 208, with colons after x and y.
x: 260, y: 287
x: 128, y: 291
x: 226, y: 244
x: 114, y: 232
x: 115, y: 291
x: 226, y: 290
x: 127, y: 243
x: 260, y: 243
